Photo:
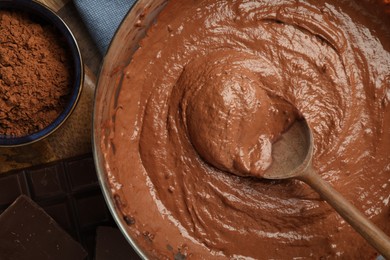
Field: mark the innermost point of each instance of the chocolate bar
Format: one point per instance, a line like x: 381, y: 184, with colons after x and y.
x: 28, y: 232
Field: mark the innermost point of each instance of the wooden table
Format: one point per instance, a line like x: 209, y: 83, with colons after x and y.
x: 73, y: 138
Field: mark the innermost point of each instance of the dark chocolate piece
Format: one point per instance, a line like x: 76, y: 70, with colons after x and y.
x: 61, y: 212
x: 91, y: 209
x: 111, y: 244
x: 47, y: 182
x: 68, y: 191
x: 27, y: 232
x: 81, y: 173
x: 11, y: 187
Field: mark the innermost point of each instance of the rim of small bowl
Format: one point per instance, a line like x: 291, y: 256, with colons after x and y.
x: 43, y: 12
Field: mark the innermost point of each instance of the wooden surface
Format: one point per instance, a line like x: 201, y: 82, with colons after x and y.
x: 74, y: 137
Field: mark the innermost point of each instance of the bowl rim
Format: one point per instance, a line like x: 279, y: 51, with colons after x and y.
x: 50, y: 16
x: 96, y: 133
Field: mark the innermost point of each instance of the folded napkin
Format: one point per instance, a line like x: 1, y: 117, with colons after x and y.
x: 102, y: 18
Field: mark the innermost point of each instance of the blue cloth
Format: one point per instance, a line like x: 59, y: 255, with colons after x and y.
x: 102, y: 18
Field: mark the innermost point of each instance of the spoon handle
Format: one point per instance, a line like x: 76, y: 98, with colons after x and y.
x: 375, y: 236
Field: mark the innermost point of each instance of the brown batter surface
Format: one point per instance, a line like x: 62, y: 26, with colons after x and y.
x: 212, y: 86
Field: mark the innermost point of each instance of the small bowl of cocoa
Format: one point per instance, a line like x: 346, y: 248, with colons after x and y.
x: 41, y: 72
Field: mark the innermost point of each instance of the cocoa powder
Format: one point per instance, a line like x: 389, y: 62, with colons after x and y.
x: 34, y: 74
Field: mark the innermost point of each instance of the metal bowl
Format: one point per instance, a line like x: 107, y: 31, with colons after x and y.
x: 46, y: 15
x: 124, y: 44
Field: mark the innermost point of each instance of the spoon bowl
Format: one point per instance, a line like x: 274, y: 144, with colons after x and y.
x: 292, y: 158
x: 292, y: 153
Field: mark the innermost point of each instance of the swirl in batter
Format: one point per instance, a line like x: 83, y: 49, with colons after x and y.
x: 212, y: 86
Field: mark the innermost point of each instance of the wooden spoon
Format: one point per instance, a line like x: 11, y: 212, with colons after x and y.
x: 292, y: 158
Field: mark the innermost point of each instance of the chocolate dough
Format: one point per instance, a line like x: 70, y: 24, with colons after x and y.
x: 212, y: 86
